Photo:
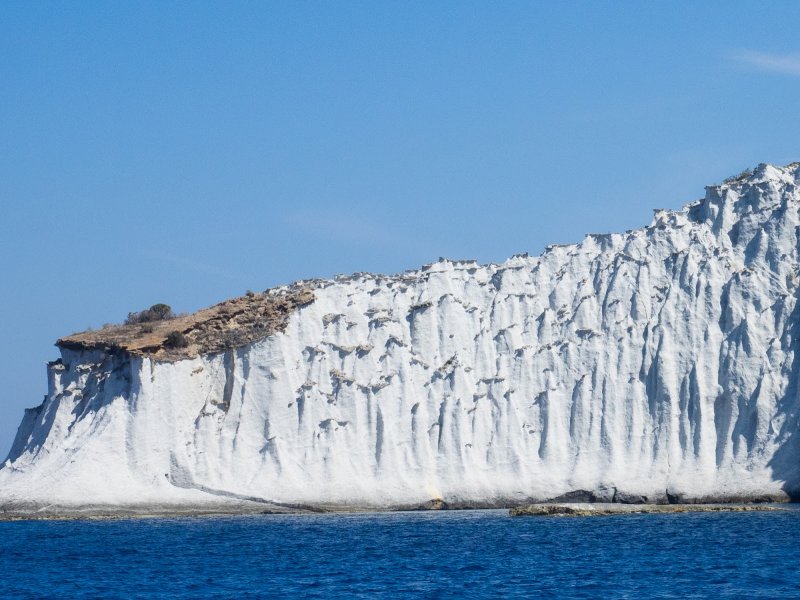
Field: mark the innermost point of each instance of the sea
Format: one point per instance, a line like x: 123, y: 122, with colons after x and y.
x: 436, y: 554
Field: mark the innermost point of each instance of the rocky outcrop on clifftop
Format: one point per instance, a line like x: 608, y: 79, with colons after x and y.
x: 229, y: 324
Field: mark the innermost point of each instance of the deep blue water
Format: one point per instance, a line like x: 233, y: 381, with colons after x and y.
x: 470, y: 554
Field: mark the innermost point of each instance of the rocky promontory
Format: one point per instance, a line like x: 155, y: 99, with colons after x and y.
x: 652, y: 366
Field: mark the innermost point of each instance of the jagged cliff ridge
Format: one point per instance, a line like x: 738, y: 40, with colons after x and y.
x: 658, y: 364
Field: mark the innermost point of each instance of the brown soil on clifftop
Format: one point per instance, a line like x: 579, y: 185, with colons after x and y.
x: 229, y: 324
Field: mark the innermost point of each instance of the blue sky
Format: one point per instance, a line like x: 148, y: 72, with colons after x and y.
x: 186, y: 152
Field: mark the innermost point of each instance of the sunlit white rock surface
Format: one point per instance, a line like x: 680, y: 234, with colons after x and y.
x: 656, y: 363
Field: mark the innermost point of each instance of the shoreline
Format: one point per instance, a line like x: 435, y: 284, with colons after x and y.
x: 560, y: 509
x: 582, y: 509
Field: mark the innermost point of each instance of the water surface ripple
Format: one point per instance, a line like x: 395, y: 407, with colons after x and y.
x: 469, y: 554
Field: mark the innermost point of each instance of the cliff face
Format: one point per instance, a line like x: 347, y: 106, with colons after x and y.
x: 656, y: 364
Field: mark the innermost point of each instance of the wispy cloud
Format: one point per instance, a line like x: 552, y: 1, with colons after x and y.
x: 787, y: 64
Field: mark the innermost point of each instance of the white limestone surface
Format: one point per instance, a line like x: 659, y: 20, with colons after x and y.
x: 652, y: 364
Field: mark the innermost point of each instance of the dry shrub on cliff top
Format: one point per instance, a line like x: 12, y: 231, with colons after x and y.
x: 157, y: 312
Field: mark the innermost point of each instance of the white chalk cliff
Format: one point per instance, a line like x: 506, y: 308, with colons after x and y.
x: 660, y: 363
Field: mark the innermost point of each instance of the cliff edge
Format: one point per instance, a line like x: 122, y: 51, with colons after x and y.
x: 656, y: 365
x: 229, y: 324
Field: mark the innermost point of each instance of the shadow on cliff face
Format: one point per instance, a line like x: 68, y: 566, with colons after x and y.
x: 785, y: 463
x: 27, y: 436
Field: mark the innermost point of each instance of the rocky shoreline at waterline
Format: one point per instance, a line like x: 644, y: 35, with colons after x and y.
x: 580, y: 509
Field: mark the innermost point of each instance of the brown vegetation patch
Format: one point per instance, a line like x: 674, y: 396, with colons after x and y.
x: 229, y: 324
